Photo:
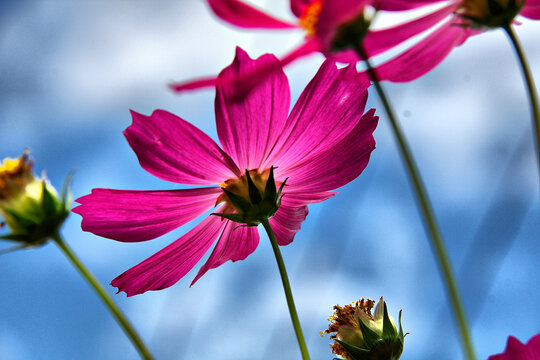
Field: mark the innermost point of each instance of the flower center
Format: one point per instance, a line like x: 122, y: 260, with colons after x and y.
x: 489, y: 13
x: 239, y: 186
x: 310, y: 17
x: 14, y: 175
x: 252, y: 198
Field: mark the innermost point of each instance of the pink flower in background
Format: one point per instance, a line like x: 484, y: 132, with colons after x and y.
x: 324, y: 143
x: 515, y: 350
x: 441, y: 29
x: 320, y: 20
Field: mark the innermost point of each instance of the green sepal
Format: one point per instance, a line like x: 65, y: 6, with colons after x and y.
x: 389, y: 332
x: 355, y: 352
x: 233, y: 217
x: 15, y: 237
x: 25, y: 219
x: 66, y: 195
x: 400, y: 334
x: 238, y: 201
x: 270, y: 188
x: 254, y: 193
x: 370, y: 336
x: 279, y: 196
x: 49, y: 203
x: 495, y: 8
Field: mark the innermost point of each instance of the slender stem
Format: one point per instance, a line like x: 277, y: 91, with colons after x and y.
x: 288, y: 292
x: 533, y: 96
x: 430, y: 223
x: 113, y: 308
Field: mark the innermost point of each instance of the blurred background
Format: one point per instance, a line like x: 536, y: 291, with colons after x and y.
x: 71, y: 70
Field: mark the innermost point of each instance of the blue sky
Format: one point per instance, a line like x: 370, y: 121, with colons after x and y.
x: 70, y: 72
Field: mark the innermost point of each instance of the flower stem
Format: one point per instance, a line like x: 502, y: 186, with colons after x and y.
x: 533, y: 96
x: 288, y: 292
x: 430, y: 223
x: 113, y: 308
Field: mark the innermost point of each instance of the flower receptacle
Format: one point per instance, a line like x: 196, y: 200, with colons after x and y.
x: 258, y: 206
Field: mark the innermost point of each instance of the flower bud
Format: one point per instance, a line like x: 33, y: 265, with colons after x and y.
x: 359, y: 335
x: 29, y: 206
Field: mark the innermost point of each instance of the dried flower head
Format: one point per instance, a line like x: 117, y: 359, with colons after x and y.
x: 361, y: 335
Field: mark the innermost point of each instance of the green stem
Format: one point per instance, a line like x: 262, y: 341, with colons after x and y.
x: 430, y: 224
x: 113, y: 308
x: 533, y: 96
x: 288, y: 292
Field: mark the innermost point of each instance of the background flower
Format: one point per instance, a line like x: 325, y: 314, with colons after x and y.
x: 515, y: 350
x: 71, y: 69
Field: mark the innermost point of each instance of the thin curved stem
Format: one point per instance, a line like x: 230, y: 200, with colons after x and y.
x: 430, y: 223
x: 533, y: 96
x: 288, y: 292
x: 113, y: 308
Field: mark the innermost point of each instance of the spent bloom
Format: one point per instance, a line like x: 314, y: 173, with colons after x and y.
x: 443, y: 25
x: 360, y: 335
x: 515, y: 350
x: 324, y: 143
x: 29, y: 206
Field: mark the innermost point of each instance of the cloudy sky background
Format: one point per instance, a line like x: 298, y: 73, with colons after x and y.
x: 69, y: 73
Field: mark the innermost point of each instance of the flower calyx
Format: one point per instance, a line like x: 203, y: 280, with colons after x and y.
x: 30, y: 206
x: 362, y: 336
x: 489, y: 13
x: 351, y: 33
x: 258, y: 206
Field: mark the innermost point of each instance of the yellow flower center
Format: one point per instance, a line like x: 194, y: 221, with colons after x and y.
x: 15, y: 174
x: 310, y: 17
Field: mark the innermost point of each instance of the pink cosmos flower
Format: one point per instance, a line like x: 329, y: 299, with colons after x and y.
x: 443, y: 27
x: 324, y: 143
x: 515, y: 350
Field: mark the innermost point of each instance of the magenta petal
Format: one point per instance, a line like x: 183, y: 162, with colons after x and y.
x: 131, y: 216
x: 243, y: 15
x: 193, y: 84
x: 287, y: 220
x: 378, y: 41
x: 337, y: 165
x: 298, y: 7
x: 236, y: 243
x: 249, y: 125
x: 515, y: 350
x: 399, y: 5
x: 167, y: 266
x: 329, y: 107
x: 300, y: 198
x: 308, y: 47
x: 175, y: 150
x: 423, y: 56
x: 531, y: 9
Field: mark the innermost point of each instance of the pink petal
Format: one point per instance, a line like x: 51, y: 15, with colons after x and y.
x: 247, y: 80
x: 328, y: 108
x: 167, y: 266
x: 193, y: 84
x: 131, y: 216
x: 243, y: 15
x: 174, y: 150
x: 337, y: 165
x: 249, y: 125
x: 298, y: 198
x: 399, y: 5
x: 531, y: 9
x: 298, y: 7
x: 423, y: 56
x: 286, y: 222
x: 515, y: 350
x: 235, y: 243
x: 378, y: 41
